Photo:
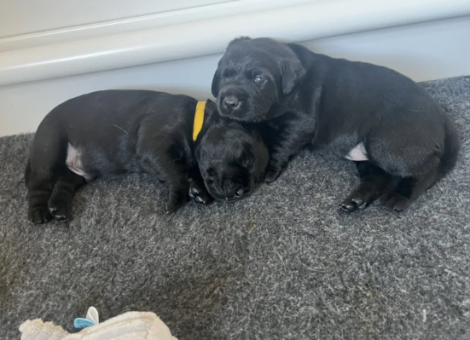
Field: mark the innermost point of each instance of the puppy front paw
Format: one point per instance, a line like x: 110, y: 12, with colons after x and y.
x: 273, y: 171
x: 39, y: 215
x: 173, y: 206
x: 198, y: 193
x: 271, y: 176
x: 176, y: 200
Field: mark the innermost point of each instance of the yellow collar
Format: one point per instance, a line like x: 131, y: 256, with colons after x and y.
x: 198, y: 119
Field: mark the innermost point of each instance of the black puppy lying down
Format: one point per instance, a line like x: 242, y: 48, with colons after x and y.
x: 121, y: 131
x: 399, y: 137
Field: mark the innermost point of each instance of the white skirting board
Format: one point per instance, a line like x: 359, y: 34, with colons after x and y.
x: 425, y: 51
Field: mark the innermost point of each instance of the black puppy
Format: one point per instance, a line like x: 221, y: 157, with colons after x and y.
x: 121, y: 131
x: 400, y: 138
x: 236, y: 161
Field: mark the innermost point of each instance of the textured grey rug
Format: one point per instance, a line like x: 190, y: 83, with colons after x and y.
x: 282, y: 264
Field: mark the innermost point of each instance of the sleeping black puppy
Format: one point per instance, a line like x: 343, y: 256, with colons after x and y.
x: 399, y: 137
x: 236, y: 161
x: 121, y: 131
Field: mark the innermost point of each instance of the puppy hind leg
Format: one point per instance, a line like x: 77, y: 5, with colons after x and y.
x: 60, y: 201
x: 45, y: 165
x: 409, y: 189
x: 40, y: 186
x: 375, y: 182
x: 38, y: 211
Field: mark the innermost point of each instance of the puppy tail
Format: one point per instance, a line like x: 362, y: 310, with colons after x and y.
x: 451, y: 148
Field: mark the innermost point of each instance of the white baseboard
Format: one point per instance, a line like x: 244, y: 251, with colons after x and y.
x: 156, y: 14
x: 425, y: 51
x: 434, y: 50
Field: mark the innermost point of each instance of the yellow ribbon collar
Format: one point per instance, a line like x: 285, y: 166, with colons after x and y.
x: 198, y: 119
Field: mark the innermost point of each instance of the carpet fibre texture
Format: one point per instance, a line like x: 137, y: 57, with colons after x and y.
x: 284, y: 263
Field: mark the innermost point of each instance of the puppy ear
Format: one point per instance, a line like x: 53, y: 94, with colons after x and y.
x: 215, y: 83
x: 292, y: 73
x: 237, y: 40
x: 211, y: 107
x: 216, y: 79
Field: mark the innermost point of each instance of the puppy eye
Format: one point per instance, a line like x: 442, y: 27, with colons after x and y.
x: 259, y: 79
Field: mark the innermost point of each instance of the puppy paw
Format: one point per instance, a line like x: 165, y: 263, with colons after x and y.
x: 172, y: 206
x: 60, y: 211
x: 355, y: 201
x: 273, y: 171
x: 395, y: 201
x: 39, y: 215
x: 198, y: 193
x: 175, y: 202
x: 271, y: 176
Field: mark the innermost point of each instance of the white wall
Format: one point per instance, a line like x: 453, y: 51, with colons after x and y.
x: 52, y: 22
x: 61, y: 68
x: 29, y: 16
x: 423, y: 52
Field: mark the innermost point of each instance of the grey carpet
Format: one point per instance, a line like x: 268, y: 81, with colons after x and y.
x: 282, y: 264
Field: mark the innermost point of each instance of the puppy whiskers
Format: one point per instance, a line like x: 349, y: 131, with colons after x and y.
x: 121, y: 129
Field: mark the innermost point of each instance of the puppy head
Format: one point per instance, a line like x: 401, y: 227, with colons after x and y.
x: 232, y: 160
x: 252, y: 76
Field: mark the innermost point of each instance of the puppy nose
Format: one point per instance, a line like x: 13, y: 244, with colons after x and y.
x: 231, y: 102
